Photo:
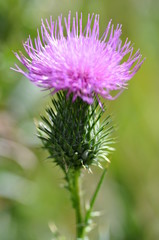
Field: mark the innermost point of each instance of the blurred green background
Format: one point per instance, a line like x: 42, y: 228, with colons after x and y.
x: 31, y: 197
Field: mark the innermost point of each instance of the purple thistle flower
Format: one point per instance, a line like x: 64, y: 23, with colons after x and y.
x: 79, y: 61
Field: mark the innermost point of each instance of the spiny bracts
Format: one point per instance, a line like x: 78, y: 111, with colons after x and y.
x: 75, y: 134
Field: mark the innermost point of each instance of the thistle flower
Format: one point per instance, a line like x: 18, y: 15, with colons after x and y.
x: 78, y: 65
x: 66, y: 57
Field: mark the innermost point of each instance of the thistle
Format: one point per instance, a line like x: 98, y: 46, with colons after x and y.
x: 79, y: 62
x: 78, y: 66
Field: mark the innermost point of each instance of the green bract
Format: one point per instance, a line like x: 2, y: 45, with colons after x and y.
x: 74, y: 134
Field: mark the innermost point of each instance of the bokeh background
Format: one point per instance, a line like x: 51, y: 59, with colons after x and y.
x: 33, y: 202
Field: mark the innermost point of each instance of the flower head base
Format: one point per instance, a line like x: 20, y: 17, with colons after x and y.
x: 74, y: 133
x: 79, y: 61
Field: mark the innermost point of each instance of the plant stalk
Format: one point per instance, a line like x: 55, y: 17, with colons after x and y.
x: 89, y: 211
x: 83, y: 222
x: 78, y: 210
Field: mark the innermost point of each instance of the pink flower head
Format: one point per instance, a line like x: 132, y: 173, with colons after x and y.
x: 66, y: 57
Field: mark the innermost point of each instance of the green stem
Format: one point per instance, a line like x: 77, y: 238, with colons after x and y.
x: 74, y: 186
x: 88, y: 213
x: 77, y: 198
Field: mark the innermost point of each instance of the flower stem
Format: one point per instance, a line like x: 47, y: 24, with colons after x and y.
x: 77, y: 197
x: 89, y: 211
x: 82, y: 222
